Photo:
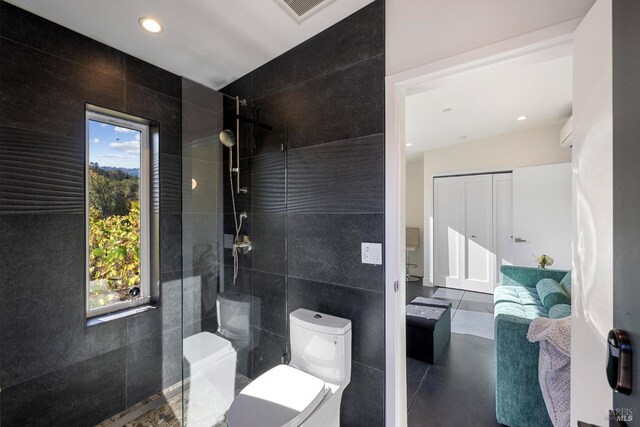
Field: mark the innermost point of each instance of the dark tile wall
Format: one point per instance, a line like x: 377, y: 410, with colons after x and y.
x: 311, y: 206
x: 54, y: 370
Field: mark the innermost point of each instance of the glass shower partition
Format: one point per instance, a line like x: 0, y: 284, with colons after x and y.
x: 233, y: 310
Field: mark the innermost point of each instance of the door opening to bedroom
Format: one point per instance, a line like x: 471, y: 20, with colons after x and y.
x: 488, y: 213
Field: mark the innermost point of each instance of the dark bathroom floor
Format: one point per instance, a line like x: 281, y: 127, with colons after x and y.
x: 459, y: 390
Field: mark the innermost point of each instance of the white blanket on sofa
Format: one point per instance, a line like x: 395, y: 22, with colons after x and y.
x: 554, y: 336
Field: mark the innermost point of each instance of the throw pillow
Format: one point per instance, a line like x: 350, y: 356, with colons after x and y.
x: 559, y: 311
x: 566, y: 284
x: 551, y: 293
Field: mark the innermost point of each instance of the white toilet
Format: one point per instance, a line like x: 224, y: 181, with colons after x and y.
x: 308, y: 391
x: 235, y: 311
x: 211, y: 362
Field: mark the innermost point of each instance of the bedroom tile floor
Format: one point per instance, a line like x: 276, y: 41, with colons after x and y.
x: 459, y: 390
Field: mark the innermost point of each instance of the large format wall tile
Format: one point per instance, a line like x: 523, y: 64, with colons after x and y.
x: 354, y: 39
x: 339, y: 177
x: 144, y: 365
x: 170, y: 242
x: 170, y: 184
x: 148, y: 75
x: 48, y: 94
x: 40, y: 173
x: 269, y: 307
x: 80, y: 395
x: 267, y: 352
x: 46, y: 332
x: 161, y: 108
x: 269, y: 243
x: 365, y: 309
x: 363, y: 400
x: 348, y: 103
x: 31, y: 30
x: 196, y: 94
x: 268, y: 180
x: 200, y: 123
x: 40, y: 254
x: 327, y: 248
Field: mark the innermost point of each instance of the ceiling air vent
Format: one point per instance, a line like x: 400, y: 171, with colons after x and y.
x: 302, y: 9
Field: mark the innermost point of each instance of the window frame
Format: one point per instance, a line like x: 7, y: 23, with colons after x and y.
x: 145, y: 203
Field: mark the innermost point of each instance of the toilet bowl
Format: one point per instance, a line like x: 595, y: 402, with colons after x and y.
x: 211, y: 362
x: 308, y: 391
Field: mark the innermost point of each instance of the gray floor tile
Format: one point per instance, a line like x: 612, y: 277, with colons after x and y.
x: 448, y: 293
x: 460, y: 389
x: 478, y: 297
x: 473, y: 323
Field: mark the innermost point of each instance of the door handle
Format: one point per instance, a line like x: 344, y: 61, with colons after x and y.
x: 519, y: 240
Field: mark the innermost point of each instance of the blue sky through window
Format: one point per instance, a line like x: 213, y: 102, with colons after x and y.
x: 114, y: 146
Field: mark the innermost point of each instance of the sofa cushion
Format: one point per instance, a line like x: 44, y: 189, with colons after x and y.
x: 519, y: 301
x: 566, y: 284
x: 551, y: 293
x: 559, y: 311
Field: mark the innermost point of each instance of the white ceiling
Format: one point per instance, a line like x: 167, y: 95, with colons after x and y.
x: 487, y: 106
x: 210, y: 41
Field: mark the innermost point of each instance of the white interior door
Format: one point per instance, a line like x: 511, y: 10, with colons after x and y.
x: 593, y: 273
x: 542, y: 214
x: 448, y: 231
x: 463, y: 233
x: 478, y: 234
x: 502, y: 221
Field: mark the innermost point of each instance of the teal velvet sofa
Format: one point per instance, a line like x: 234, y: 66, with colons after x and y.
x: 519, y: 400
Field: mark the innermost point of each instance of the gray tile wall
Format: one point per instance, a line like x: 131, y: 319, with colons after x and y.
x: 53, y: 369
x: 311, y: 206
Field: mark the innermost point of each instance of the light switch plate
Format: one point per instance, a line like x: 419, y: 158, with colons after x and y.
x: 372, y: 253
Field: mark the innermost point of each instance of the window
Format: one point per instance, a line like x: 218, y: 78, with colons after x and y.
x: 117, y: 198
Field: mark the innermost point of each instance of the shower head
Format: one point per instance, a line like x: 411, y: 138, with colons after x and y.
x: 227, y: 138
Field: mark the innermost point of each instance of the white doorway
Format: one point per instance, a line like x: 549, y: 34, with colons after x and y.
x: 398, y: 87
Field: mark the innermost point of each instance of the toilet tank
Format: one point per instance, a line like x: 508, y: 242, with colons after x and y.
x: 234, y: 316
x: 321, y: 345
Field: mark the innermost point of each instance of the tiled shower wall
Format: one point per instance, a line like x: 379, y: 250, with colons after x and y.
x: 54, y: 370
x: 311, y: 206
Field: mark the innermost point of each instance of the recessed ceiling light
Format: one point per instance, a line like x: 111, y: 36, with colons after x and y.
x: 446, y: 110
x: 521, y: 118
x: 409, y: 144
x: 150, y: 24
x: 462, y: 138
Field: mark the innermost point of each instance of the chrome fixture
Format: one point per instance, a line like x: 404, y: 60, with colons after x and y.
x: 241, y: 244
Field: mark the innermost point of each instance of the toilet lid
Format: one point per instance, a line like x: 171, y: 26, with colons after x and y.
x: 204, y: 348
x: 281, y: 397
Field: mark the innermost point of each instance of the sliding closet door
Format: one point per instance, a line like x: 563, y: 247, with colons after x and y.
x: 479, y: 255
x: 448, y: 235
x: 463, y: 232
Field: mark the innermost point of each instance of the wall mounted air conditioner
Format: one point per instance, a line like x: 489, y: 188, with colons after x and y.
x: 566, y: 134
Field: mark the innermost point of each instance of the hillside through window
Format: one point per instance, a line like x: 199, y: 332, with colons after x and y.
x: 117, y: 199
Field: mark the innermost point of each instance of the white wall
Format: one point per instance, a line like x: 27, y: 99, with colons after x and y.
x: 592, y: 288
x: 415, y: 209
x: 419, y: 32
x: 529, y: 148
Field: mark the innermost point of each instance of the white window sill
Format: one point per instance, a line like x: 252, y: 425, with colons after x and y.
x: 104, y: 318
